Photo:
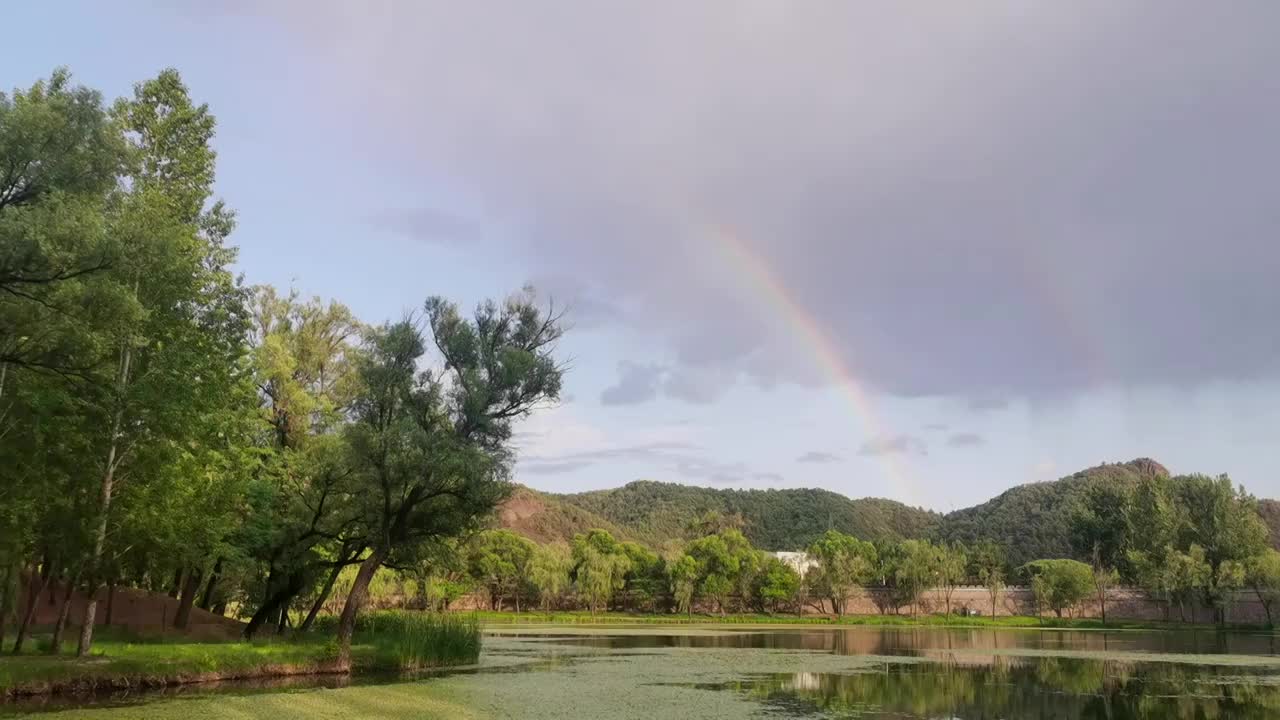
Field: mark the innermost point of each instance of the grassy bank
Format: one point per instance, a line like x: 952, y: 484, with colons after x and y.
x: 385, y: 641
x: 954, y: 621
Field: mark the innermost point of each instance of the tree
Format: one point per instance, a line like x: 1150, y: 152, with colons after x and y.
x: 953, y: 566
x: 429, y: 449
x: 723, y: 560
x: 1059, y: 584
x: 1223, y: 521
x: 1100, y: 532
x: 549, y: 573
x: 917, y: 569
x: 303, y: 360
x: 500, y: 562
x: 62, y: 155
x: 179, y: 342
x: 845, y: 563
x: 777, y: 584
x: 1104, y: 579
x: 600, y: 568
x: 1263, y: 575
x: 645, y: 577
x: 988, y: 568
x: 683, y: 578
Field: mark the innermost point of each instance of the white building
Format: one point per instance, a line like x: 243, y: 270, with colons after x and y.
x: 798, y: 561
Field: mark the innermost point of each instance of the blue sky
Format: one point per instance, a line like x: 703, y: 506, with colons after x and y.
x: 1039, y: 238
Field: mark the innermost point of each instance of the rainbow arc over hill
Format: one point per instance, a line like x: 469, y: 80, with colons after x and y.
x: 828, y: 357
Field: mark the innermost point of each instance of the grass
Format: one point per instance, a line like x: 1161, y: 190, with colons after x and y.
x: 384, y: 641
x: 406, y: 640
x: 957, y: 621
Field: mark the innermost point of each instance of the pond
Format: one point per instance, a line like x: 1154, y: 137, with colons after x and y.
x: 733, y: 672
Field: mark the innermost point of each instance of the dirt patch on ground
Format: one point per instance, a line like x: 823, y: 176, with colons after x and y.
x: 137, y: 610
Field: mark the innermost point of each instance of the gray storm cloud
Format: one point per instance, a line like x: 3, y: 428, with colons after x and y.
x: 983, y: 200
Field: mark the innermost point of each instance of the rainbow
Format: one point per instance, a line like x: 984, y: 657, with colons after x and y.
x: 825, y: 352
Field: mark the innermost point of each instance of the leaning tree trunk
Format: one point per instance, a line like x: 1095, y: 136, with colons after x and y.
x: 190, y: 586
x: 64, y: 612
x: 321, y: 599
x: 355, y: 599
x: 277, y: 600
x: 33, y: 599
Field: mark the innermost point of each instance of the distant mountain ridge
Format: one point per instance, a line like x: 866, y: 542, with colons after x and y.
x: 1031, y: 521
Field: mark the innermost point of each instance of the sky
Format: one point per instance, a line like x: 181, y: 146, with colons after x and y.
x: 917, y: 250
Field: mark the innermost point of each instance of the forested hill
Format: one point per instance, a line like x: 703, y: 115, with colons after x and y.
x: 787, y: 519
x: 1031, y: 521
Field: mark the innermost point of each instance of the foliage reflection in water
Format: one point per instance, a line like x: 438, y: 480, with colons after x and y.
x: 1045, y: 688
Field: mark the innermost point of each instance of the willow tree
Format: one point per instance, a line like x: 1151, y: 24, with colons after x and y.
x: 429, y: 447
x: 845, y: 564
x: 303, y: 361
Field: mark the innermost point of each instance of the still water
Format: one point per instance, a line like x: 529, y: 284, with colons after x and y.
x: 715, y: 672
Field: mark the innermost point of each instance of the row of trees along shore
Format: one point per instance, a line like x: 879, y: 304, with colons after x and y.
x: 163, y: 425
x: 1186, y: 541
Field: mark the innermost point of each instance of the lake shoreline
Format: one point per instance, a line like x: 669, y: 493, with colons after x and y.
x: 91, y: 683
x: 1004, y: 622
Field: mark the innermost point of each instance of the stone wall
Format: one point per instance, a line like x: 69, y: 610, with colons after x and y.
x: 1122, y: 604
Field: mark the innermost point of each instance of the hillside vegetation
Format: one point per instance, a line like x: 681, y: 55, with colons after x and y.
x: 771, y: 519
x: 1032, y: 521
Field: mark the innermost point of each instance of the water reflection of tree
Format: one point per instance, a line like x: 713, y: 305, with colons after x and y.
x: 1048, y: 688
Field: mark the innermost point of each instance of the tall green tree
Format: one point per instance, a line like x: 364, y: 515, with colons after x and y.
x: 845, y: 564
x: 430, y: 448
x: 953, y: 569
x: 500, y: 562
x: 777, y: 584
x: 600, y: 567
x: 988, y: 563
x: 1223, y: 521
x: 917, y: 569
x: 61, y: 155
x: 549, y: 573
x: 1059, y: 585
x: 178, y: 346
x: 682, y: 575
x: 1263, y: 576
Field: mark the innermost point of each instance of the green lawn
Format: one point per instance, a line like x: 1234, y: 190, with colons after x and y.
x: 384, y: 641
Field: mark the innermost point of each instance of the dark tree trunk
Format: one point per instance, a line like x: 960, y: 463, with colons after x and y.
x: 55, y: 646
x: 321, y: 599
x: 190, y: 586
x: 220, y: 608
x: 6, y: 602
x: 206, y: 599
x: 269, y: 613
x: 355, y: 599
x: 111, y: 601
x: 283, y: 623
x: 33, y: 598
x: 179, y: 579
